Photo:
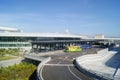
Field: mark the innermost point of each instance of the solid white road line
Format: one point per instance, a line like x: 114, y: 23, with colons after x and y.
x: 41, y: 72
x: 73, y: 74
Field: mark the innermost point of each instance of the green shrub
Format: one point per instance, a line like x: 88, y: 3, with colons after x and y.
x: 14, y: 51
x: 21, y: 71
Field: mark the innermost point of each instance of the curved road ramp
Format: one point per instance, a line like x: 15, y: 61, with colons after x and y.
x: 104, y: 65
x: 42, y: 60
x: 40, y: 66
x: 34, y: 57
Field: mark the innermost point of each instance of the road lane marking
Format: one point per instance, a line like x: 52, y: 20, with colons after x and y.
x: 62, y: 59
x: 73, y: 73
x: 41, y: 73
x: 59, y: 62
x: 67, y: 59
x: 58, y: 65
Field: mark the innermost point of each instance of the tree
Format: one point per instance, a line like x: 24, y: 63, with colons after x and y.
x: 2, y: 52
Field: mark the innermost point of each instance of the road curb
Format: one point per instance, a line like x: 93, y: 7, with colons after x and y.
x: 89, y: 72
x: 40, y: 67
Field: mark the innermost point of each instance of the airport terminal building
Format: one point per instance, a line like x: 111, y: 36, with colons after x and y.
x: 25, y: 40
x: 14, y: 38
x: 40, y: 42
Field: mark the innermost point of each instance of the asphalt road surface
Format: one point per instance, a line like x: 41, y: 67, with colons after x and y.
x: 61, y: 67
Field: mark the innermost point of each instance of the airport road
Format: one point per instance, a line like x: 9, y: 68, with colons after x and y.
x: 61, y: 67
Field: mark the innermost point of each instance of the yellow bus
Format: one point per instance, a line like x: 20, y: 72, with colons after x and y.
x: 73, y: 49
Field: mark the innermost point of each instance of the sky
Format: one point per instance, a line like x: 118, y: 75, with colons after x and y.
x: 83, y: 17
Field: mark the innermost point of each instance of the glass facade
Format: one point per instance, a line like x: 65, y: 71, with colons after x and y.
x: 26, y: 41
x: 15, y: 44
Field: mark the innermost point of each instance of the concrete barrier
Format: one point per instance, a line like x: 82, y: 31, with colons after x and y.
x: 39, y: 77
x: 88, y: 58
x: 102, y: 54
x: 103, y: 51
x: 92, y: 73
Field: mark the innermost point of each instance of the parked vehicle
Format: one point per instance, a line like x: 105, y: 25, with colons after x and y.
x: 73, y: 49
x: 85, y: 46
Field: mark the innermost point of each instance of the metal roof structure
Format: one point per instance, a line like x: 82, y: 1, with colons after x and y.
x: 38, y: 35
x: 9, y: 29
x: 13, y: 32
x: 102, y: 38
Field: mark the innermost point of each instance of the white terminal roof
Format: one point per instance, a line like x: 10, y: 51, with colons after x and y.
x: 15, y: 34
x: 9, y: 29
x: 38, y: 35
x: 102, y: 38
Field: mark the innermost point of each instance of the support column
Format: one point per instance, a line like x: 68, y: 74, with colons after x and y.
x: 45, y: 47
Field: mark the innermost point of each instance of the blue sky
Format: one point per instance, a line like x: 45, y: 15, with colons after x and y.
x: 84, y: 17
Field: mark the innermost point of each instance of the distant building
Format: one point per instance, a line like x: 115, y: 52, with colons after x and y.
x: 84, y: 37
x: 99, y: 36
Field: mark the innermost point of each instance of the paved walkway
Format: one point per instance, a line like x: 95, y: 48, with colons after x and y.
x: 7, y: 63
